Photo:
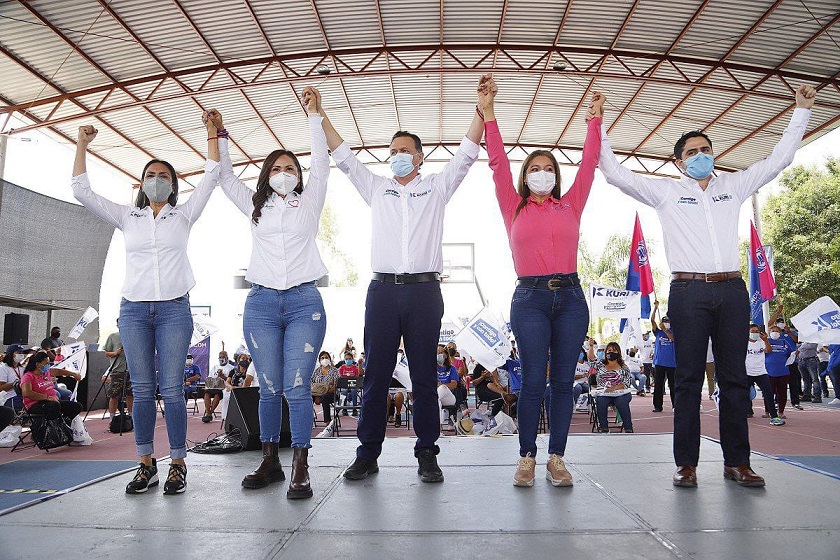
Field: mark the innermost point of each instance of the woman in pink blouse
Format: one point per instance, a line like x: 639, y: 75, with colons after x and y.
x: 548, y: 314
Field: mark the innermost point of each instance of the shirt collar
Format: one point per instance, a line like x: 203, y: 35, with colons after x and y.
x: 550, y: 200
x: 414, y: 182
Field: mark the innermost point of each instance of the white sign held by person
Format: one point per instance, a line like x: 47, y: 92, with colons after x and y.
x: 202, y: 328
x: 607, y: 301
x: 485, y: 338
x: 819, y: 322
x: 72, y: 357
x: 88, y: 317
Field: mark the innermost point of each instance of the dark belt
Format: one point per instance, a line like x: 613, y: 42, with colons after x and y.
x: 704, y: 277
x: 555, y: 283
x: 407, y: 278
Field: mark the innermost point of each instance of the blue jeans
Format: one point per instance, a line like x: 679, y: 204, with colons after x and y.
x: 621, y: 402
x: 808, y: 368
x: 546, y: 320
x: 284, y: 331
x: 639, y: 381
x: 165, y: 327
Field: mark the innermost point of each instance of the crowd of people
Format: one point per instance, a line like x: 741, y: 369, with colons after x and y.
x: 284, y: 320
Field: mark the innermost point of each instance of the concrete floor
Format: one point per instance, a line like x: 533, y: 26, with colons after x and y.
x: 622, y: 506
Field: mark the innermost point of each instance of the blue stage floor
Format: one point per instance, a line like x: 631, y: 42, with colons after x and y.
x: 622, y: 506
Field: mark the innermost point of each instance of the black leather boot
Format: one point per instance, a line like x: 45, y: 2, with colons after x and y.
x: 299, y: 483
x: 269, y: 470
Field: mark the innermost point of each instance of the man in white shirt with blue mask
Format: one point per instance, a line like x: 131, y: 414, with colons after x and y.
x: 404, y: 298
x: 699, y: 215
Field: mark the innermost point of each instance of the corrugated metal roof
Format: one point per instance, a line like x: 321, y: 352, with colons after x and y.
x: 143, y: 70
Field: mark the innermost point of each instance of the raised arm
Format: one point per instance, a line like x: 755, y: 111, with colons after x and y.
x: 653, y: 325
x: 644, y: 189
x: 104, y: 209
x: 319, y: 167
x: 762, y: 172
x: 506, y: 193
x: 233, y: 188
x: 582, y: 185
x: 193, y: 207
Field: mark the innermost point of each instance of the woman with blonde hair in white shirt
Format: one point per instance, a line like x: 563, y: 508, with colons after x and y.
x: 155, y: 315
x: 284, y: 321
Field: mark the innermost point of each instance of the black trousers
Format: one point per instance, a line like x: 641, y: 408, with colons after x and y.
x: 496, y: 401
x: 647, y: 369
x: 660, y: 374
x: 53, y: 409
x: 795, y: 383
x: 412, y: 312
x: 326, y: 400
x: 721, y: 310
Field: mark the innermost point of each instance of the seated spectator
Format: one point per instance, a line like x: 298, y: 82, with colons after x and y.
x: 398, y: 390
x: 192, y: 375
x: 237, y: 376
x: 447, y: 380
x: 38, y: 390
x: 613, y: 379
x: 581, y: 386
x: 488, y: 388
x: 350, y: 370
x: 461, y: 367
x: 639, y: 379
x: 11, y: 369
x: 214, y: 385
x: 323, y: 383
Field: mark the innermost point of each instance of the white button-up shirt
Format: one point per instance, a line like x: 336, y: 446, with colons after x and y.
x: 407, y: 220
x: 156, y: 264
x: 283, y: 252
x: 700, y: 228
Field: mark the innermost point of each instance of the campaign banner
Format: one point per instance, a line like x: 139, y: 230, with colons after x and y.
x: 72, y: 357
x: 448, y: 330
x: 202, y: 327
x: 819, y: 322
x: 87, y: 318
x: 200, y: 352
x: 606, y: 301
x: 485, y: 339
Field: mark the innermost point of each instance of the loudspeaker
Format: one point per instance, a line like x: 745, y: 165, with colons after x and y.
x: 244, y: 414
x: 16, y: 329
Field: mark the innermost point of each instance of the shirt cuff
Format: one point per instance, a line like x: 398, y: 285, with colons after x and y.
x: 469, y: 148
x: 341, y: 153
x: 80, y: 181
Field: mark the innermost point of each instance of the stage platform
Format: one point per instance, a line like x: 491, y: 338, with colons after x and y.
x: 621, y: 506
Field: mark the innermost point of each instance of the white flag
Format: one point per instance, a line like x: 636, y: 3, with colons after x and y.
x: 819, y: 322
x: 607, y: 301
x: 202, y: 328
x: 485, y: 338
x: 72, y: 357
x: 87, y: 318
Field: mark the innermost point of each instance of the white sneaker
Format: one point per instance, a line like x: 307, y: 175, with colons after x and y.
x: 327, y: 432
x: 833, y: 402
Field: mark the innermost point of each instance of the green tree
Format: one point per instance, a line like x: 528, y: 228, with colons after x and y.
x: 327, y: 235
x: 802, y: 224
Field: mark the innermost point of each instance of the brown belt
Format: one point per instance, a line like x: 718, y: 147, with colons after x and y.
x: 704, y: 277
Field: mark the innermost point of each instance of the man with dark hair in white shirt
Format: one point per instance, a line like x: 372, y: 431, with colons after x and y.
x: 404, y: 297
x: 699, y: 215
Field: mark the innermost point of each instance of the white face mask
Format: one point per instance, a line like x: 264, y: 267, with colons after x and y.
x: 325, y: 362
x: 283, y: 183
x: 666, y: 325
x: 542, y: 182
x: 189, y: 362
x: 19, y: 358
x: 754, y: 336
x: 775, y: 335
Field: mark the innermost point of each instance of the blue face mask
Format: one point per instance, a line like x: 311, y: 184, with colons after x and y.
x: 348, y: 362
x: 580, y: 357
x: 440, y: 358
x: 45, y: 369
x: 402, y: 164
x: 601, y: 354
x: 700, y: 166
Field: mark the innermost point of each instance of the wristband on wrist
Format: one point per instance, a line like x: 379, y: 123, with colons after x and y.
x: 478, y: 112
x: 222, y: 133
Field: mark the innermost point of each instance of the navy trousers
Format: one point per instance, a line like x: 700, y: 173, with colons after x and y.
x: 411, y: 312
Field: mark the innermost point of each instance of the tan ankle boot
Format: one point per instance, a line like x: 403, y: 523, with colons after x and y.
x: 269, y: 470
x: 299, y: 484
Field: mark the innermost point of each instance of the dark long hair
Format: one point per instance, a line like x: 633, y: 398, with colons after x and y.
x: 615, y: 348
x: 142, y: 200
x: 447, y: 361
x: 9, y: 359
x: 33, y: 360
x: 522, y: 185
x: 264, y: 189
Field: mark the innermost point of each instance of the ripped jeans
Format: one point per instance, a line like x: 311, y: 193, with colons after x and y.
x: 284, y: 330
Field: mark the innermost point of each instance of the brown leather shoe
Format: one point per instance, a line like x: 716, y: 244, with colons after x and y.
x: 743, y: 475
x: 686, y: 477
x: 269, y: 470
x: 299, y: 483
